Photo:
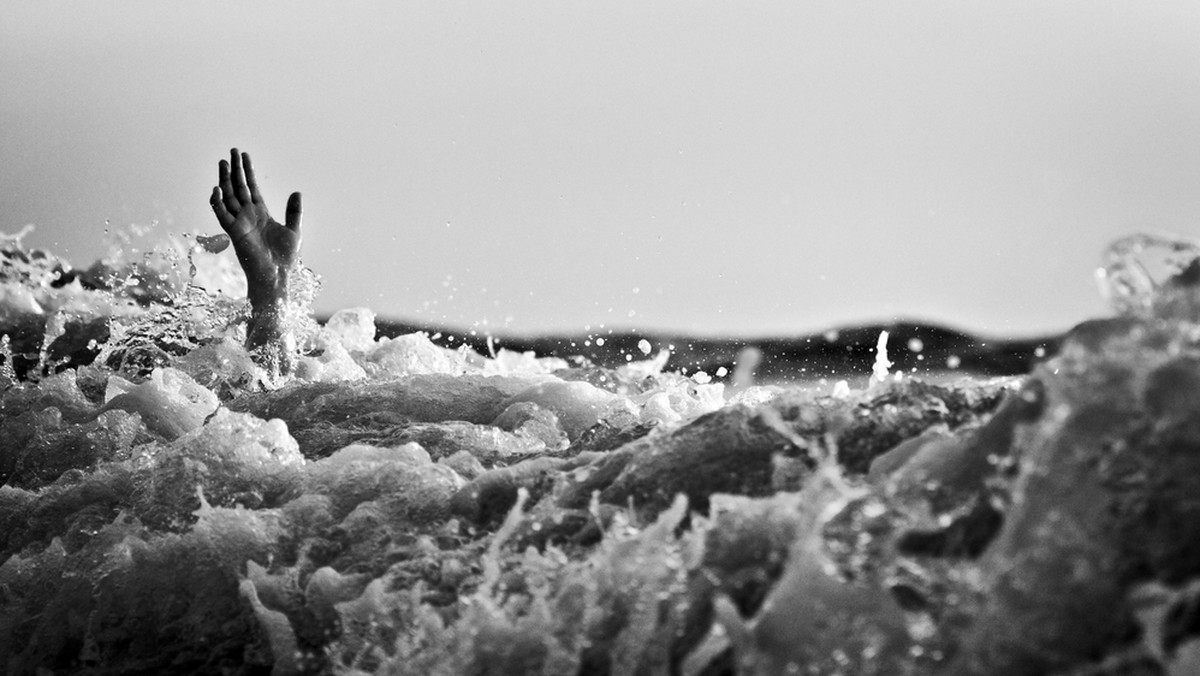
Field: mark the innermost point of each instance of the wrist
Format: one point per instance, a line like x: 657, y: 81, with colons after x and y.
x: 267, y: 304
x: 264, y: 328
x: 268, y: 293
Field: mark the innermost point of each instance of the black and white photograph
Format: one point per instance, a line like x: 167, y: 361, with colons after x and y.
x: 600, y: 338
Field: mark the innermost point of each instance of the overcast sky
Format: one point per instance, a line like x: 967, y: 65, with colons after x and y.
x: 732, y: 168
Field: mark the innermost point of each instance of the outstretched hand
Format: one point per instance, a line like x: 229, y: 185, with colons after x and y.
x: 266, y: 249
x: 267, y: 252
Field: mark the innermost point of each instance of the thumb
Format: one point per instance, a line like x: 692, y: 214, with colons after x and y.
x: 294, y: 213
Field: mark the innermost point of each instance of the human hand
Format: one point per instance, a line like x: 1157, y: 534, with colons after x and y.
x: 266, y: 249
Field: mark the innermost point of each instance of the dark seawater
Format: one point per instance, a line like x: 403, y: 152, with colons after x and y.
x: 916, y: 348
x: 399, y: 508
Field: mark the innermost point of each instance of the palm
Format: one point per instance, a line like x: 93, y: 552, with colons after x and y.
x: 262, y: 244
x: 265, y: 248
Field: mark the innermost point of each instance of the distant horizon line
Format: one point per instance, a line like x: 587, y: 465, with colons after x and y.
x: 605, y: 329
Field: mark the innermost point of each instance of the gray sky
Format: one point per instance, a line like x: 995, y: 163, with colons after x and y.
x: 735, y: 168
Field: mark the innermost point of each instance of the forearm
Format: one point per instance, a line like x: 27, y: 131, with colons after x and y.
x: 266, y: 332
x: 266, y: 325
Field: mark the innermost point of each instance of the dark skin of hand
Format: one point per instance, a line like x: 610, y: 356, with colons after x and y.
x: 266, y: 249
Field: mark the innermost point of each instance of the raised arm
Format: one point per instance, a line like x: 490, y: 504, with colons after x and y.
x: 267, y: 251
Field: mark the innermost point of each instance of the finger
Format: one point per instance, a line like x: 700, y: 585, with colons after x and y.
x: 218, y: 207
x: 253, y: 184
x: 294, y: 212
x: 239, y: 179
x: 223, y: 182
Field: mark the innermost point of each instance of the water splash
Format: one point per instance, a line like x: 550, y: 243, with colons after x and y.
x: 7, y: 372
x: 298, y: 314
x: 21, y: 267
x: 1137, y: 268
x: 56, y: 326
x: 879, y: 371
x: 186, y: 289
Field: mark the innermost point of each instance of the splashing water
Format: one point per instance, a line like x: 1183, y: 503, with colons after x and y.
x: 192, y: 296
x: 298, y: 314
x: 1136, y: 269
x: 841, y: 515
x: 879, y: 371
x: 7, y: 372
x: 191, y: 303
